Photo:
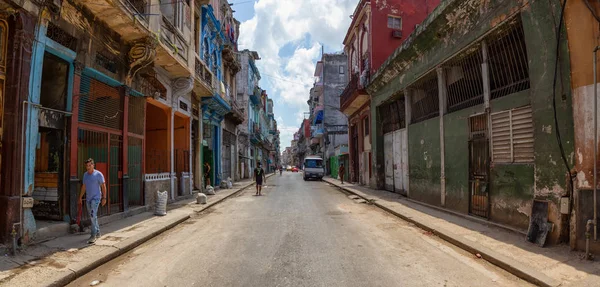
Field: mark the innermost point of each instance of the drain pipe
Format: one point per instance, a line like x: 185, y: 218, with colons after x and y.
x: 595, y: 202
x: 588, y: 234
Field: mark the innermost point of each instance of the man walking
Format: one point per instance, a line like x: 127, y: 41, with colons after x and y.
x: 259, y: 175
x: 94, y: 189
x: 341, y: 172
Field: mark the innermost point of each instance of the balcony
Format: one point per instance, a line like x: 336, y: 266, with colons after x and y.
x: 236, y: 115
x: 203, y: 83
x: 354, y: 95
x: 172, y: 52
x: 255, y: 96
x: 318, y: 132
x: 128, y: 18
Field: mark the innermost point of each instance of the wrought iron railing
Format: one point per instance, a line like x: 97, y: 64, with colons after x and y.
x: 138, y: 7
x: 349, y: 90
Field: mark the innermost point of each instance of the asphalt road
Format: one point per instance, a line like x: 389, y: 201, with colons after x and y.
x: 297, y: 234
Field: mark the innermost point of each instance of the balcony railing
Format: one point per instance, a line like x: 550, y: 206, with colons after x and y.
x: 349, y: 90
x: 139, y: 8
x: 203, y: 73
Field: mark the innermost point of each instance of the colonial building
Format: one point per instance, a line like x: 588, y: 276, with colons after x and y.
x: 483, y: 123
x: 329, y: 126
x: 377, y: 29
x: 144, y: 88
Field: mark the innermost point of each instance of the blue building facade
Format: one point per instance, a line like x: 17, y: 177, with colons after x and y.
x: 215, y: 107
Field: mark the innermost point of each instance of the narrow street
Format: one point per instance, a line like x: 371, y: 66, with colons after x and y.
x: 298, y: 234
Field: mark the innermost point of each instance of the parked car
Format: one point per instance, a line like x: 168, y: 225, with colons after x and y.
x: 313, y: 168
x: 289, y: 168
x: 294, y: 169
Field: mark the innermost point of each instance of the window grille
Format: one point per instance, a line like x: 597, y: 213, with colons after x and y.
x: 60, y: 36
x: 183, y: 106
x: 509, y: 69
x: 394, y: 22
x: 464, y: 80
x: 425, y: 99
x: 136, y: 111
x: 100, y: 104
x: 106, y: 63
x: 512, y: 136
x: 149, y: 86
x: 393, y: 115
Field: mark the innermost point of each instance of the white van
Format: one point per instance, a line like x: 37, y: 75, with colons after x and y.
x: 313, y: 168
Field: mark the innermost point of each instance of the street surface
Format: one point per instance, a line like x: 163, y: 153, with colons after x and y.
x: 297, y: 234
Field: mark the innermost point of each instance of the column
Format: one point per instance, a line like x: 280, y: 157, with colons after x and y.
x: 485, y: 72
x: 73, y: 163
x: 172, y: 151
x: 124, y: 93
x: 443, y: 108
x: 407, y: 112
x: 191, y: 147
x: 17, y: 79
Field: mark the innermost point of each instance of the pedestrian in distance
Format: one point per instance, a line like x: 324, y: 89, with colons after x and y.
x: 280, y: 170
x: 206, y: 174
x: 341, y: 172
x: 259, y: 175
x: 94, y: 189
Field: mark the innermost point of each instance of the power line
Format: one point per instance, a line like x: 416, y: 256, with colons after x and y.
x: 285, y: 80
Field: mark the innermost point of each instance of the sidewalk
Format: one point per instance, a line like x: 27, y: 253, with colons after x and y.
x: 549, y: 266
x: 58, y: 261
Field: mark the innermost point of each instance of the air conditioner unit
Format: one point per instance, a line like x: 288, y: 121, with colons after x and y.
x: 397, y: 34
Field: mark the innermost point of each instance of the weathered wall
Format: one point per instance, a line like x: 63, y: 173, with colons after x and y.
x: 456, y: 155
x: 511, y: 185
x: 382, y: 43
x: 550, y: 171
x: 424, y: 161
x: 451, y: 28
x: 583, y: 34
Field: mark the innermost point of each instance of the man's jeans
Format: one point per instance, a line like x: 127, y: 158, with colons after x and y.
x: 92, y: 207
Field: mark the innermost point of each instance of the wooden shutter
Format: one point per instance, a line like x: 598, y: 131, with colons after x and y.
x: 512, y: 136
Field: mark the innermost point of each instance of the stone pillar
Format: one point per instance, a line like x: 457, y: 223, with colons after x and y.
x: 172, y: 151
x: 20, y: 46
x: 408, y: 120
x: 441, y: 79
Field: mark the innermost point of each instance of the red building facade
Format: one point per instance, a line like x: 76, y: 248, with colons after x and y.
x: 377, y: 29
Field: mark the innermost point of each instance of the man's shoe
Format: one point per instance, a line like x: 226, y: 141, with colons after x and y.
x: 92, y: 239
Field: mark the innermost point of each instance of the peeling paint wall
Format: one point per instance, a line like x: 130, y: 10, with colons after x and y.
x: 424, y: 161
x: 456, y: 137
x: 451, y: 28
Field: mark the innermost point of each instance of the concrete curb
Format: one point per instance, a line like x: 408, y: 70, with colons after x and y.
x: 132, y: 243
x: 516, y: 268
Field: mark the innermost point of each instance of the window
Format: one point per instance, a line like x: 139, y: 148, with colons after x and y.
x: 313, y: 163
x: 366, y: 126
x: 395, y: 22
x: 197, y: 33
x: 342, y: 68
x: 512, y: 136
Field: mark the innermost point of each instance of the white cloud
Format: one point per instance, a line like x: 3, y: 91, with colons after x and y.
x: 277, y: 23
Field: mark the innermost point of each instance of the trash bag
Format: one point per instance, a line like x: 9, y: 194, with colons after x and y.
x: 229, y: 183
x: 210, y: 190
x: 161, y: 203
x: 201, y: 198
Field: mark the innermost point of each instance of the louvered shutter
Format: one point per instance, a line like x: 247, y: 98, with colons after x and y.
x: 522, y: 134
x: 512, y: 136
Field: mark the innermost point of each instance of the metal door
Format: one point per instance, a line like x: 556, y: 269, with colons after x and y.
x: 135, y: 196
x: 226, y: 161
x: 388, y: 149
x: 399, y: 171
x: 479, y: 160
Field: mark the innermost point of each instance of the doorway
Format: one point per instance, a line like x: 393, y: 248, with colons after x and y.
x: 49, y: 193
x: 479, y: 166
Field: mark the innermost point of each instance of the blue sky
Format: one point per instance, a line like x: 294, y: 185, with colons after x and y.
x: 288, y: 36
